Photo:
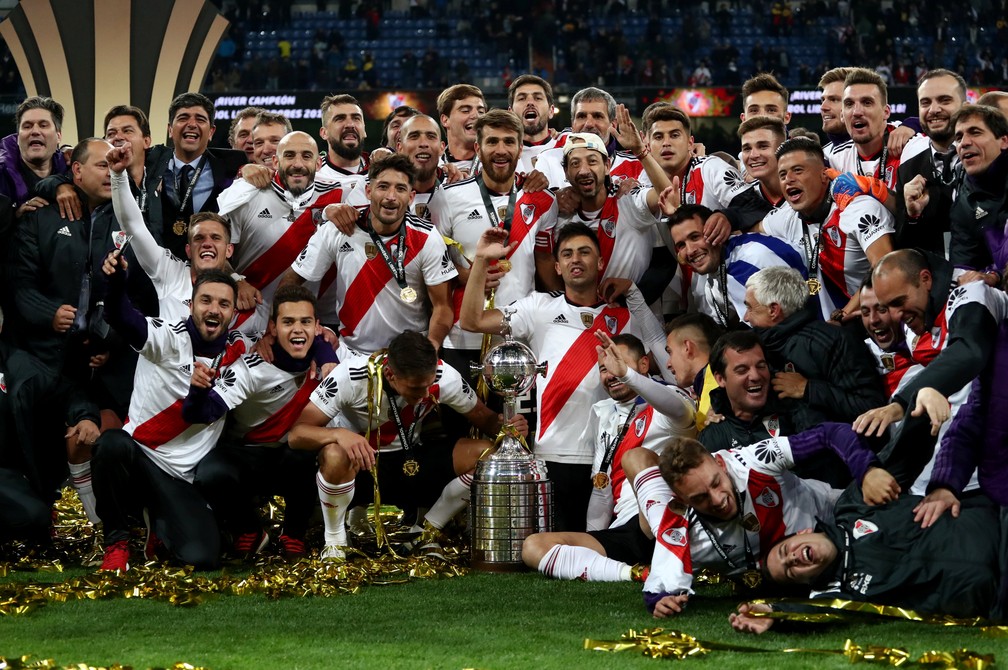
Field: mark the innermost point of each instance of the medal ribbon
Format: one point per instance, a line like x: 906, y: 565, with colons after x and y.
x: 406, y: 437
x: 397, y: 266
x: 723, y: 280
x: 192, y: 183
x: 495, y: 220
x: 883, y: 159
x: 749, y: 558
x: 610, y: 449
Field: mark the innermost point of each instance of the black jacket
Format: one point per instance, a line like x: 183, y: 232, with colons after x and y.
x: 928, y: 231
x: 982, y: 202
x: 733, y: 432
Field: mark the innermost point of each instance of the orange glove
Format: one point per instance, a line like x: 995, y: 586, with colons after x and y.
x: 847, y: 186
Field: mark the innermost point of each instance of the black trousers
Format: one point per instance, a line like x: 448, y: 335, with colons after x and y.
x: 126, y: 481
x: 571, y: 492
x: 230, y: 478
x: 24, y: 515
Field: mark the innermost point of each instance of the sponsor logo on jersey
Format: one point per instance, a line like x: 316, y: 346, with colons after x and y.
x: 587, y: 318
x: 64, y: 231
x: 980, y: 213
x: 228, y: 377
x: 328, y: 388
x: 955, y: 297
x: 862, y: 528
x: 157, y: 323
x: 185, y: 369
x: 869, y: 225
x: 276, y: 389
x: 767, y: 452
x: 732, y: 179
x: 675, y: 537
x: 265, y: 214
x: 560, y: 318
x: 859, y: 582
x: 474, y: 215
x: 345, y: 248
x: 767, y: 498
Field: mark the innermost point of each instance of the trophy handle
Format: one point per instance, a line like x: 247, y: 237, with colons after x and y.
x: 541, y: 368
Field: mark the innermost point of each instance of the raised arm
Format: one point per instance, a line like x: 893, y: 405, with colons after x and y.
x: 473, y: 315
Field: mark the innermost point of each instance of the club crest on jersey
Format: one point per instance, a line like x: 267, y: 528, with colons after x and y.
x: 675, y: 537
x: 607, y: 226
x: 767, y: 498
x: 862, y: 528
x: 888, y: 174
x: 3, y: 383
x: 370, y: 250
x: 639, y: 426
x: 834, y: 236
x: 421, y: 210
x: 611, y: 324
x: 316, y: 216
x: 528, y: 213
x: 587, y: 318
x: 119, y: 238
x: 690, y: 198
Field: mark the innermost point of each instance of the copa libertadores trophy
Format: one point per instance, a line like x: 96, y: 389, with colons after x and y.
x: 511, y: 495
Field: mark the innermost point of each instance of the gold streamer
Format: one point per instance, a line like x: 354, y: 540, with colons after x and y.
x: 661, y: 643
x: 842, y: 610
x: 376, y: 378
x: 26, y: 662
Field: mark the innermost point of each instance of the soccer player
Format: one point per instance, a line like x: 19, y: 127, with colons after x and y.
x: 344, y: 133
x: 387, y: 270
x: 378, y: 436
x: 760, y: 137
x: 420, y: 141
x: 639, y: 412
x: 459, y: 106
x: 531, y: 99
x: 559, y: 328
x: 153, y: 461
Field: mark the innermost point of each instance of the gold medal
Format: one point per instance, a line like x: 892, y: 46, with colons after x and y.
x: 407, y: 294
x: 600, y: 480
x: 410, y: 468
x: 751, y: 523
x: 504, y: 265
x: 180, y: 227
x: 813, y: 286
x: 752, y: 578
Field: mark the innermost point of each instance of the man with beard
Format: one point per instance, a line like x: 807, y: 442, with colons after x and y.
x: 831, y: 108
x: 886, y: 341
x: 928, y: 164
x: 344, y: 133
x: 391, y: 273
x: 270, y: 226
x: 626, y: 420
x: 153, y: 462
x: 459, y: 106
x: 840, y: 245
x: 531, y: 99
x: 420, y: 141
x: 495, y: 198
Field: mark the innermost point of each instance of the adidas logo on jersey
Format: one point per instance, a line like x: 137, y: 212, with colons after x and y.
x: 345, y: 248
x: 276, y: 389
x: 265, y: 214
x: 66, y: 231
x: 560, y: 319
x: 474, y: 215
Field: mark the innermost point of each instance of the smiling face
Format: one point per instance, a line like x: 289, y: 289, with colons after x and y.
x: 766, y: 103
x: 265, y: 139
x: 212, y: 309
x: 344, y: 131
x: 938, y: 99
x: 592, y: 116
x: 243, y: 137
x: 123, y: 129
x: 708, y: 489
x: 533, y: 108
x: 459, y: 122
x: 671, y: 145
x: 832, y: 109
x: 616, y: 389
x: 864, y: 113
x: 420, y: 141
x: 757, y: 314
x: 758, y: 147
x: 803, y: 181
x: 801, y: 558
x: 586, y: 171
x: 977, y: 145
x: 499, y: 151
x: 878, y: 321
x: 578, y: 262
x: 692, y: 248
x: 296, y: 161
x: 746, y: 381
x: 906, y: 301
x: 191, y: 131
x: 390, y: 195
x: 38, y: 138
x: 208, y: 247
x: 294, y: 327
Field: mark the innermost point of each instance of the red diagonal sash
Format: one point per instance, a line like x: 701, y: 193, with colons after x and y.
x: 520, y: 228
x: 607, y: 238
x: 631, y: 440
x: 279, y: 257
x: 768, y: 503
x: 571, y: 370
x: 372, y: 278
x: 274, y: 428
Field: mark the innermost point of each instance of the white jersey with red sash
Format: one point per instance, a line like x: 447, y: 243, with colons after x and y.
x: 531, y: 150
x: 264, y: 401
x: 845, y: 157
x: 647, y: 428
x: 562, y: 334
x: 343, y: 397
x: 371, y: 311
x: 895, y: 367
x: 775, y: 503
x: 351, y: 178
x: 710, y: 182
x: 627, y: 232
x: 550, y: 163
x: 270, y: 227
x: 926, y: 347
x: 459, y: 213
x: 161, y: 382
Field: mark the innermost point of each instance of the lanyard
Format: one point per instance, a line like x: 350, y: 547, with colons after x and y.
x: 722, y: 279
x: 192, y: 182
x: 750, y: 559
x: 880, y: 171
x: 405, y: 437
x: 395, y: 265
x: 611, y: 445
x: 495, y: 219
x: 685, y: 178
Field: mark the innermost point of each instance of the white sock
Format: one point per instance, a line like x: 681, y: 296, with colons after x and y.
x: 653, y: 495
x: 335, y: 499
x: 453, y: 500
x: 80, y: 476
x: 564, y: 561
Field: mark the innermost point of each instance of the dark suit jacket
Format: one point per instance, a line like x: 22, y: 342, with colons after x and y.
x: 928, y: 231
x: 162, y: 212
